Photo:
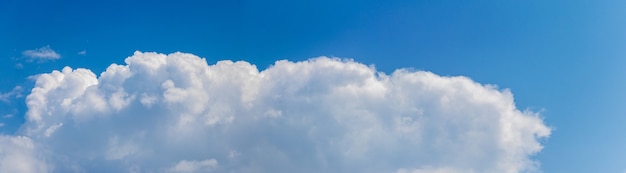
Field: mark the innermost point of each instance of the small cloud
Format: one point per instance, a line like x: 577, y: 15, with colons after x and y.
x: 41, y: 54
x: 233, y: 154
x: 19, y: 66
x: 8, y: 116
x: 1, y: 124
x: 191, y: 166
x: 15, y: 93
x: 84, y: 52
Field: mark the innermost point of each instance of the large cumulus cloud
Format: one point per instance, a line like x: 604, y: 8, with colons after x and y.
x: 176, y: 113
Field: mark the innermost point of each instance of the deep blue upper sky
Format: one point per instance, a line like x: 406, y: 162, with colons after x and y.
x: 563, y: 57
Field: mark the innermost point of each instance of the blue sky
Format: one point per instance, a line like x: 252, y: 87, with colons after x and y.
x: 563, y: 59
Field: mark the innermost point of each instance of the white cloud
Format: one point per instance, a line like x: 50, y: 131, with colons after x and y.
x: 41, y: 54
x: 19, y: 154
x: 19, y: 66
x: 185, y: 166
x: 83, y: 52
x: 16, y: 92
x: 434, y: 170
x: 176, y: 113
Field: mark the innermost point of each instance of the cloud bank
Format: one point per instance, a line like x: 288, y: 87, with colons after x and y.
x: 41, y: 54
x: 176, y: 113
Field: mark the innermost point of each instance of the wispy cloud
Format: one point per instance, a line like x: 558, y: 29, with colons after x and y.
x: 84, y: 52
x: 19, y: 66
x: 41, y: 54
x: 15, y: 93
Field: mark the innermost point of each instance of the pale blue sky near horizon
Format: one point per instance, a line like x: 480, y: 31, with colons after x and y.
x: 564, y: 59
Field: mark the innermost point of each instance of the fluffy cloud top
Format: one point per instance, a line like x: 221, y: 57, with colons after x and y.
x: 176, y: 113
x: 41, y: 54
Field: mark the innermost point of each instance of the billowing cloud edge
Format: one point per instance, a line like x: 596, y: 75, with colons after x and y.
x: 320, y: 115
